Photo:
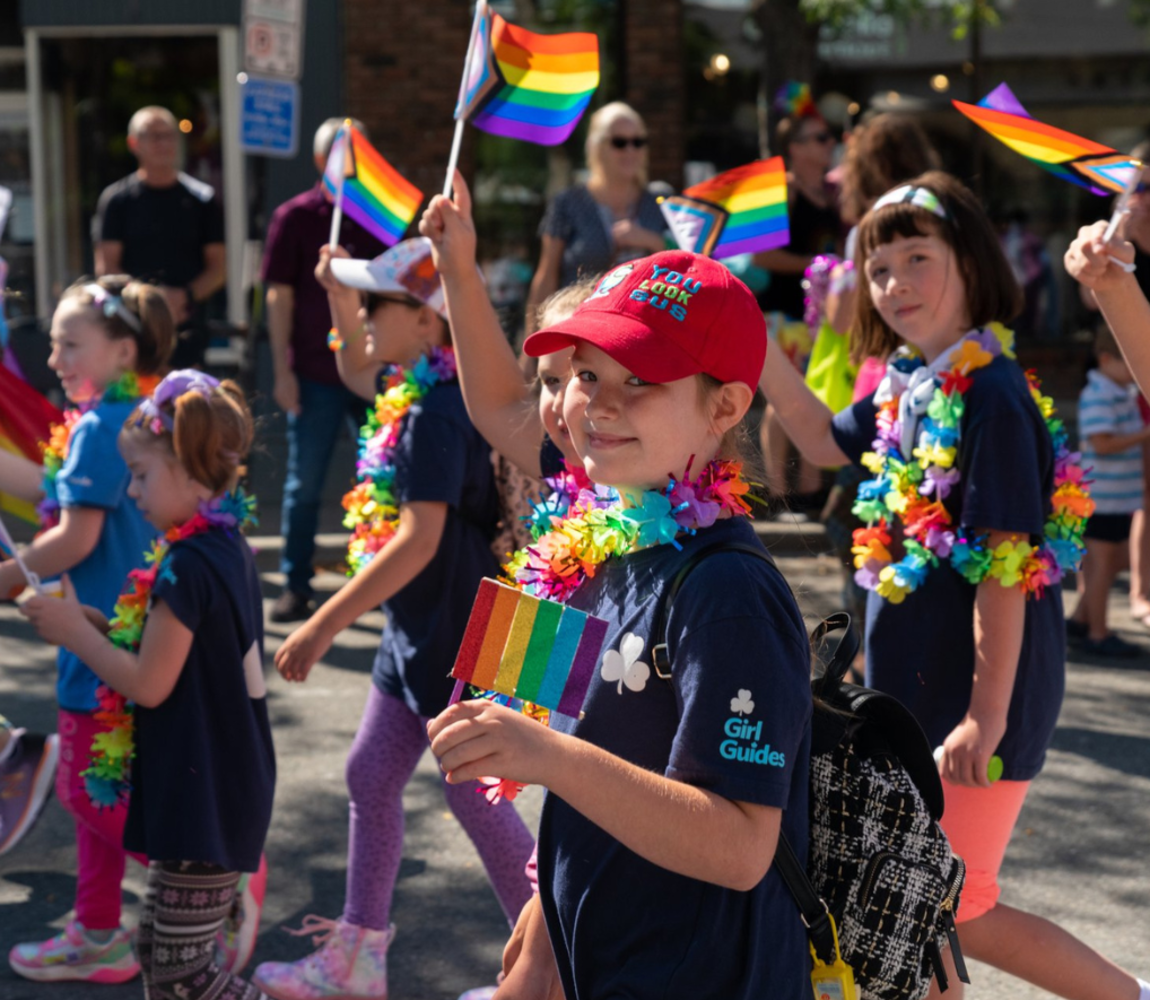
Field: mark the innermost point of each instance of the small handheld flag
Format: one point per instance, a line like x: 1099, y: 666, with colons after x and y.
x: 522, y: 85
x: 1080, y: 161
x: 368, y: 188
x: 743, y: 210
x: 529, y: 648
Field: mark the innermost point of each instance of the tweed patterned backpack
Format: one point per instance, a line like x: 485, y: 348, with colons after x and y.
x: 878, y: 860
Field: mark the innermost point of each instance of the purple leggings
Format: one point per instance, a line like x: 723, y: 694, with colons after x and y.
x: 390, y: 741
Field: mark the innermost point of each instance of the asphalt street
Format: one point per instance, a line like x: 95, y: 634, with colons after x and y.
x: 1078, y: 855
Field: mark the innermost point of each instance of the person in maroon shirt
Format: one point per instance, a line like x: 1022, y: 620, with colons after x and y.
x: 307, y: 384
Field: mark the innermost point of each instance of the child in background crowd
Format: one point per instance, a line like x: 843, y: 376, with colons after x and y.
x: 186, y: 646
x: 111, y: 338
x: 966, y: 627
x: 425, y: 512
x: 1111, y: 434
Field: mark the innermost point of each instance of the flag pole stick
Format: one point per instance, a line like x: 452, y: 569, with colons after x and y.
x: 31, y: 578
x: 1122, y: 206
x: 337, y: 211
x: 461, y: 121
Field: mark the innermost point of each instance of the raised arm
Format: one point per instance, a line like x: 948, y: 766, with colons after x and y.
x: 1099, y: 267
x: 357, y: 368
x: 806, y: 419
x: 21, y: 477
x: 499, y: 399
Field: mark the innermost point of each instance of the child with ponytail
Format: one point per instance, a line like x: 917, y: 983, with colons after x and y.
x: 111, y: 339
x: 186, y: 646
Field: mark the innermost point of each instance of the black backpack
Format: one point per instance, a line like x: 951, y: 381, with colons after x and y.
x: 878, y: 862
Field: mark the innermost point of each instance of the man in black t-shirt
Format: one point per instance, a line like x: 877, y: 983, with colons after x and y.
x: 160, y: 225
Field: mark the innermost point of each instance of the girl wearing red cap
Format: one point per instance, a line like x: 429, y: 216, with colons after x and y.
x: 975, y: 510
x: 669, y: 793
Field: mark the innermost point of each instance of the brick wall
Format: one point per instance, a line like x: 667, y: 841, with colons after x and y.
x: 654, y: 80
x: 403, y: 58
x: 402, y: 63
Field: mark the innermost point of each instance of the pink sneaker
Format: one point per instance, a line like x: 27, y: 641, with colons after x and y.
x: 351, y: 964
x: 236, y: 940
x: 73, y: 955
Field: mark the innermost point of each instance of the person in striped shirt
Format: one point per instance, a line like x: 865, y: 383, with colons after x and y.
x: 1110, y: 433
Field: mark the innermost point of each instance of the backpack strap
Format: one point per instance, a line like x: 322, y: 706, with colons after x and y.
x: 815, y: 915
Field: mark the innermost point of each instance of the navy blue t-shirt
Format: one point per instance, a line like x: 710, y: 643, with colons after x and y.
x: 204, y: 775
x: 922, y: 650
x: 740, y: 688
x: 550, y: 458
x: 440, y: 457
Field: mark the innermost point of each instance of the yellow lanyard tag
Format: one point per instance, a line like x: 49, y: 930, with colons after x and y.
x: 835, y: 981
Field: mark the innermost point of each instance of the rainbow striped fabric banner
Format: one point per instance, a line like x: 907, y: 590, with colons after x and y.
x: 374, y: 193
x: 751, y: 216
x: 527, y: 86
x: 529, y: 648
x: 26, y: 419
x: 1088, y: 164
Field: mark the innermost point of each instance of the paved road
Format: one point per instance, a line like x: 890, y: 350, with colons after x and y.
x: 1078, y: 856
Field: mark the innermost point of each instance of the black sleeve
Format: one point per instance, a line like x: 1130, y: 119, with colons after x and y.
x: 108, y: 225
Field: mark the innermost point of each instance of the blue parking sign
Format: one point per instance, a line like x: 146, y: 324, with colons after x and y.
x: 269, y: 116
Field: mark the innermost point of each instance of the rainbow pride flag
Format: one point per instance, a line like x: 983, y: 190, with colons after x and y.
x: 1098, y: 168
x: 743, y: 210
x: 374, y: 192
x: 26, y: 419
x: 526, y: 86
x: 529, y: 648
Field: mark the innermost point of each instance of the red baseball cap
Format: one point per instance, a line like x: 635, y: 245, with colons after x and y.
x: 666, y: 317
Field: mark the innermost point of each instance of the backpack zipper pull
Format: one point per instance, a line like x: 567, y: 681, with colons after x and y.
x: 955, y: 948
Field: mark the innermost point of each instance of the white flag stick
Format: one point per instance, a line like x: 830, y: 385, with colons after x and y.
x: 461, y: 121
x: 343, y: 137
x: 1122, y: 206
x: 6, y: 541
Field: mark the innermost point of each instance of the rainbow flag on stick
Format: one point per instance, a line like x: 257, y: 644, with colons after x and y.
x: 529, y: 648
x: 368, y: 188
x: 743, y: 210
x: 1099, y: 169
x: 26, y: 419
x: 526, y: 86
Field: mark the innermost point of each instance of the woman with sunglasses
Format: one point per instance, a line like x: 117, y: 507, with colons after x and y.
x: 806, y: 143
x: 613, y: 218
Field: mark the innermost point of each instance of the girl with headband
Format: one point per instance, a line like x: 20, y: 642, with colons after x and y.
x: 111, y: 339
x: 974, y: 510
x: 186, y: 647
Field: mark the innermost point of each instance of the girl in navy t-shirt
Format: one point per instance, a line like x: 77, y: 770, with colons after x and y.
x: 186, y: 646
x: 666, y: 797
x: 974, y: 512
x: 423, y: 517
x: 111, y: 339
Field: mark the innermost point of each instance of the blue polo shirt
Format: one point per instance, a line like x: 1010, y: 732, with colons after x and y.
x: 95, y: 475
x: 922, y: 650
x: 734, y: 720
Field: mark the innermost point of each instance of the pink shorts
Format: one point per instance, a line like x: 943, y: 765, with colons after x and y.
x: 978, y: 823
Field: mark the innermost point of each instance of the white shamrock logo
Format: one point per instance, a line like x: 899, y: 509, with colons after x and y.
x: 623, y: 665
x: 743, y: 704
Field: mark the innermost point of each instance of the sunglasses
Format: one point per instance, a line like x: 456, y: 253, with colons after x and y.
x: 373, y: 301
x: 819, y: 137
x: 619, y: 142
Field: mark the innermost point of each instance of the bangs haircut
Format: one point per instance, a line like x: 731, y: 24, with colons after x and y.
x: 992, y: 292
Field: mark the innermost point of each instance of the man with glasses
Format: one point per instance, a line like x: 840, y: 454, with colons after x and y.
x: 163, y: 226
x: 307, y: 384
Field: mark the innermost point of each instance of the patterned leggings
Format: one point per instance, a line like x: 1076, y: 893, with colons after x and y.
x: 185, y: 905
x: 388, y: 745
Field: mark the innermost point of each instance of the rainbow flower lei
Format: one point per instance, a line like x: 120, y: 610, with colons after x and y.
x: 911, y: 490
x: 568, y: 547
x: 126, y: 389
x: 106, y: 779
x: 372, y: 510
